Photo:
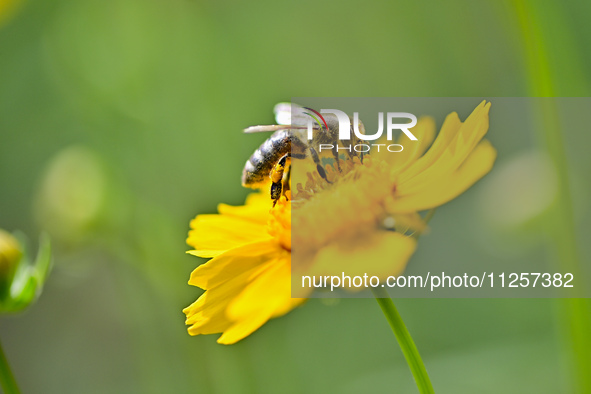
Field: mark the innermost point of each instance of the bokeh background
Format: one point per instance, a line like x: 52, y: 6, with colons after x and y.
x: 121, y: 120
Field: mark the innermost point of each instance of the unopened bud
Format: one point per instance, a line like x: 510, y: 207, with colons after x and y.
x: 21, y: 279
x: 10, y: 256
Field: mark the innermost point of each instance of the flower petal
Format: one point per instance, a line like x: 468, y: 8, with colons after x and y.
x: 234, y: 263
x: 256, y: 208
x: 448, y: 131
x: 451, y: 148
x: 226, y: 280
x: 266, y: 296
x: 380, y: 254
x: 242, y: 329
x: 424, y: 131
x: 212, y: 235
x: 269, y: 291
x: 208, y: 314
x: 478, y: 164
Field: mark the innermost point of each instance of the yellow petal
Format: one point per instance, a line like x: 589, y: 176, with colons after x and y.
x: 256, y: 208
x: 380, y: 254
x: 449, y: 151
x: 478, y: 164
x: 424, y: 131
x: 449, y: 130
x: 270, y: 291
x: 234, y: 263
x: 212, y: 235
x: 242, y: 329
x: 226, y: 280
x: 208, y: 314
x: 267, y: 295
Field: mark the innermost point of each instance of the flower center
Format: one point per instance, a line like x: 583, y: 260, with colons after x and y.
x: 349, y: 206
x: 279, y: 225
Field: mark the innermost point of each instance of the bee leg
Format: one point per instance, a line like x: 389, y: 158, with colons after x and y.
x: 275, y: 192
x: 356, y: 141
x: 335, y: 154
x: 352, y: 152
x: 277, y: 183
x: 285, y: 162
x: 362, y: 154
x: 287, y: 180
x: 346, y: 145
x: 319, y: 167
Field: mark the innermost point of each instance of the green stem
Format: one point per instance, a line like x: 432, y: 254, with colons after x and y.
x: 574, y: 314
x: 6, y: 378
x: 409, y: 349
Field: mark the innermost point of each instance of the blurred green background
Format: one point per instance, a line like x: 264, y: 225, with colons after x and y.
x: 121, y: 120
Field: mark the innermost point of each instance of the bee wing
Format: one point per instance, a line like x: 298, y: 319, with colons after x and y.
x: 263, y: 128
x: 283, y: 113
x: 290, y: 114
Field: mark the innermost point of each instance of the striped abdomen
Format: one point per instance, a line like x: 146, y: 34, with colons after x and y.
x: 258, y: 167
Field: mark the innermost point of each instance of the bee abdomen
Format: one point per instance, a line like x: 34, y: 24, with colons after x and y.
x: 258, y: 167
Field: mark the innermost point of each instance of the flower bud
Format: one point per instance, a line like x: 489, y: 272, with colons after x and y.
x: 10, y: 256
x: 21, y: 279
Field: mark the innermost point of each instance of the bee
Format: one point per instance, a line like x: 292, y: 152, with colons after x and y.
x: 271, y: 162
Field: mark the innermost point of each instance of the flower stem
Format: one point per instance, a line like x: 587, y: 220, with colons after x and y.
x: 407, y: 345
x: 574, y: 312
x: 6, y: 378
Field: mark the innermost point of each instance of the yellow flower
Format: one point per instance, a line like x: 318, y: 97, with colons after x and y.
x: 457, y: 159
x: 339, y: 226
x: 247, y: 280
x: 365, y: 214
